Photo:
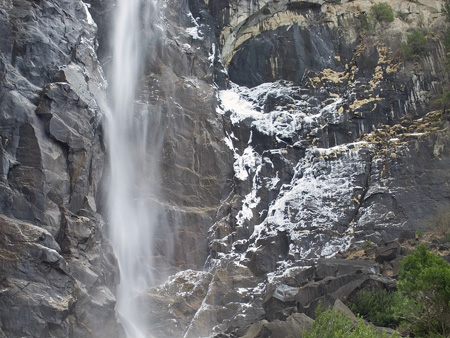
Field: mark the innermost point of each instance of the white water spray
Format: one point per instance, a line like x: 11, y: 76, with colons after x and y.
x: 133, y: 213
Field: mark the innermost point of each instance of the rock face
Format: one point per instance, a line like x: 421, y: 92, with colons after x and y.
x: 324, y: 139
x: 58, y: 274
x: 333, y: 145
x: 194, y: 165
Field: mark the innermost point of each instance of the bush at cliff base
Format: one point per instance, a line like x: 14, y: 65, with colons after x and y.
x: 335, y: 324
x: 425, y: 280
x: 380, y: 307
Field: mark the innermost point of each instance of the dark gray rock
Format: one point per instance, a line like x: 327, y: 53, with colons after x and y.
x: 340, y: 267
x: 280, y: 301
x: 339, y: 306
x: 305, y: 276
x: 38, y: 292
x: 296, y: 49
x: 387, y: 252
x: 169, y: 309
x: 327, y: 291
x: 270, y: 251
x: 58, y: 272
x: 333, y: 280
x: 294, y: 327
x: 232, y: 302
x: 253, y: 196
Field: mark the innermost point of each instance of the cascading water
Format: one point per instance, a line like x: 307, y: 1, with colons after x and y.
x: 133, y: 185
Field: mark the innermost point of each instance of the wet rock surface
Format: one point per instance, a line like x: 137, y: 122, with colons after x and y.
x: 192, y: 165
x: 323, y: 141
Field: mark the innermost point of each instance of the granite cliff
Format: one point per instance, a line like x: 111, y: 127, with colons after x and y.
x: 290, y: 134
x: 58, y: 274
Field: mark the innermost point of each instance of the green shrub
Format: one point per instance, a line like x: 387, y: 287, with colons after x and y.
x: 416, y: 47
x: 382, y: 12
x: 425, y: 280
x: 364, y: 22
x: 444, y: 102
x: 381, y: 307
x: 421, y: 305
x: 335, y: 324
x: 418, y: 42
x: 446, y: 10
x: 447, y: 39
x: 419, y: 234
x: 330, y: 324
x: 368, y: 245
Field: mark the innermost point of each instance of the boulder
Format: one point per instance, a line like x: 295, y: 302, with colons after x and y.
x: 270, y: 250
x: 340, y: 267
x: 293, y: 327
x: 280, y: 301
x: 339, y: 306
x: 387, y: 252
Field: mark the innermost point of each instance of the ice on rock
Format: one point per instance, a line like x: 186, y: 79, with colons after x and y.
x: 212, y: 55
x: 243, y: 103
x: 272, y: 182
x: 294, y: 115
x: 317, y: 200
x: 246, y: 163
x: 249, y: 203
x: 239, y: 108
x: 194, y: 32
x: 319, y: 185
x: 228, y: 142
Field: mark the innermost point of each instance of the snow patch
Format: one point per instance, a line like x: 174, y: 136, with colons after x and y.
x: 194, y: 32
x: 212, y: 55
x: 246, y: 163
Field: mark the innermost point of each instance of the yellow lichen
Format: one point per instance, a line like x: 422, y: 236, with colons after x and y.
x: 359, y: 103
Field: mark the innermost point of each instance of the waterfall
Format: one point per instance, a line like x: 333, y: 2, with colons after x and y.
x: 134, y: 177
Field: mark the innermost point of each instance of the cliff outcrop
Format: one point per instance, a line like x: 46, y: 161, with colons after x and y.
x: 326, y: 118
x: 286, y: 134
x: 58, y: 274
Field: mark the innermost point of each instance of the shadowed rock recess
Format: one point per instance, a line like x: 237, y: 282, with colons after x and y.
x: 291, y: 132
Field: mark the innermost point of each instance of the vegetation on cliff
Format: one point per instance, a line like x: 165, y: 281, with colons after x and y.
x: 382, y: 12
x: 444, y: 100
x: 380, y: 306
x: 420, y: 306
x: 425, y: 282
x: 335, y: 324
x: 416, y: 46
